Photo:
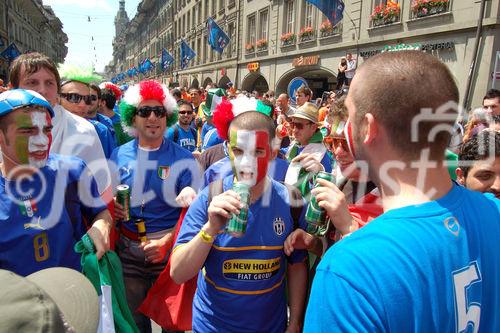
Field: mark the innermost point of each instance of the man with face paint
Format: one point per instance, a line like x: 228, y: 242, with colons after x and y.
x: 71, y: 135
x: 241, y: 287
x: 431, y: 262
x: 45, y: 198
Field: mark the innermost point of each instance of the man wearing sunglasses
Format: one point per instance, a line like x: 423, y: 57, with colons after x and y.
x: 307, y: 153
x: 71, y: 135
x: 159, y: 174
x: 77, y: 99
x: 182, y: 133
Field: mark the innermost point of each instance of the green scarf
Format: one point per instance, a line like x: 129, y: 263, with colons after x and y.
x: 305, y: 178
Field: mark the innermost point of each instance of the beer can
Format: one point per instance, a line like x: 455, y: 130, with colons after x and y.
x: 237, y: 225
x: 315, y: 215
x: 141, y: 229
x: 123, y: 198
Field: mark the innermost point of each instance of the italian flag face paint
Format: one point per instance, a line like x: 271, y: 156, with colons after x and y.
x: 250, y: 153
x: 33, y: 149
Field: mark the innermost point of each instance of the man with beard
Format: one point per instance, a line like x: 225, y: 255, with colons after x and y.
x: 45, y: 199
x: 479, y: 163
x: 182, y: 133
x: 159, y: 174
x: 431, y: 262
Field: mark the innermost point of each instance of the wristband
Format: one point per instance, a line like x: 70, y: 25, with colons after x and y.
x: 206, y: 237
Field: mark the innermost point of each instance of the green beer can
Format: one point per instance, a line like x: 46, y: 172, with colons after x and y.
x: 315, y: 215
x: 237, y: 225
x: 123, y: 198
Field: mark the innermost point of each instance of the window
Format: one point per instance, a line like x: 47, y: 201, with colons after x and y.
x: 205, y: 48
x: 250, y: 33
x: 263, y: 23
x: 214, y: 7
x: 221, y: 5
x: 385, y: 12
x: 290, y: 17
x: 308, y: 15
x: 230, y: 33
x: 198, y: 51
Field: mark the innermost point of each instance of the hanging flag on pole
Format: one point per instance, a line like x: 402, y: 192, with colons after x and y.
x: 187, y: 54
x: 166, y: 60
x: 11, y: 52
x: 217, y: 38
x: 333, y: 9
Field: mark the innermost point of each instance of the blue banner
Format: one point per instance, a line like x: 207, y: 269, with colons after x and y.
x: 147, y: 65
x: 166, y: 60
x: 217, y: 38
x: 11, y: 52
x: 333, y: 9
x: 187, y: 54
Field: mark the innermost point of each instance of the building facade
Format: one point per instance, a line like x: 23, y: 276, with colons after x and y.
x: 274, y: 42
x: 31, y: 26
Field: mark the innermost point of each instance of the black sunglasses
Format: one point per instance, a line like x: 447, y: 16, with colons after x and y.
x: 145, y: 111
x: 185, y: 112
x: 76, y: 98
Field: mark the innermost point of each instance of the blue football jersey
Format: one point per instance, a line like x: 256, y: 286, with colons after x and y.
x: 42, y: 218
x: 107, y: 140
x: 433, y: 267
x: 155, y: 179
x: 186, y: 139
x: 242, y: 288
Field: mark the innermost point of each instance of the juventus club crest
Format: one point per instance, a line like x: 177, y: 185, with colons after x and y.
x: 279, y: 226
x: 163, y: 172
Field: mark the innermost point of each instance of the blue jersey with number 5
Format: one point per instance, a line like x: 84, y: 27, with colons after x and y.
x: 433, y: 267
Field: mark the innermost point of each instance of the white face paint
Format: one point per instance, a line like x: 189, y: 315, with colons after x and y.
x: 245, y: 161
x: 38, y: 145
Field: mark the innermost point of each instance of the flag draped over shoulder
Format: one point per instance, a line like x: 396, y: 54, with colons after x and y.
x: 187, y: 54
x: 217, y: 38
x: 166, y: 60
x: 333, y: 9
x: 11, y: 52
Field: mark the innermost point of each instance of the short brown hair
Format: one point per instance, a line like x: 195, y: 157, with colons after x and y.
x: 32, y: 63
x: 304, y: 90
x: 255, y: 121
x: 413, y: 81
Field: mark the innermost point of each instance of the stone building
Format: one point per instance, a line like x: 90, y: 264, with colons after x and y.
x: 31, y: 26
x: 276, y: 42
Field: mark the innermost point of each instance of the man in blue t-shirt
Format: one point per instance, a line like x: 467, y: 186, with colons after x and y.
x: 182, y: 133
x: 431, y: 263
x: 241, y: 280
x: 46, y: 201
x: 160, y: 176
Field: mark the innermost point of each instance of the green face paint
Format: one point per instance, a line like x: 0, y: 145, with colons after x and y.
x: 21, y: 146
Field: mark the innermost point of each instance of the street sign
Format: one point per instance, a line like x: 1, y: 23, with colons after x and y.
x: 294, y: 85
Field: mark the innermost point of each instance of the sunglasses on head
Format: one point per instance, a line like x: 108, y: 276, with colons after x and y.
x: 145, y: 111
x: 334, y: 142
x: 76, y: 98
x: 298, y: 126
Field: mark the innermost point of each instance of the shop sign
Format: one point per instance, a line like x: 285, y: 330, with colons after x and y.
x: 416, y: 46
x: 253, y: 66
x: 305, y: 61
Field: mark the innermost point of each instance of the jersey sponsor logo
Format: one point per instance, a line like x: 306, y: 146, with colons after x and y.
x: 251, y: 269
x: 36, y: 225
x: 279, y: 226
x: 451, y: 223
x: 163, y: 172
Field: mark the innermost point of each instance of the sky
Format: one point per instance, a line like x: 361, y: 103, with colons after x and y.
x: 74, y: 14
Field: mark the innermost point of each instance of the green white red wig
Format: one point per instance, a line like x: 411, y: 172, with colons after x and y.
x: 143, y: 91
x: 227, y: 110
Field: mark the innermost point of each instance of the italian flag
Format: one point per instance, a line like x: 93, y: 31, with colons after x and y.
x: 28, y: 207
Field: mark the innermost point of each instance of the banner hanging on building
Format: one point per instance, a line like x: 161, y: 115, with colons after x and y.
x: 187, y: 54
x: 217, y: 38
x: 11, y: 52
x: 166, y: 60
x: 333, y: 9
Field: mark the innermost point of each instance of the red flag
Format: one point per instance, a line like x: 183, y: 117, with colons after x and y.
x: 170, y: 304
